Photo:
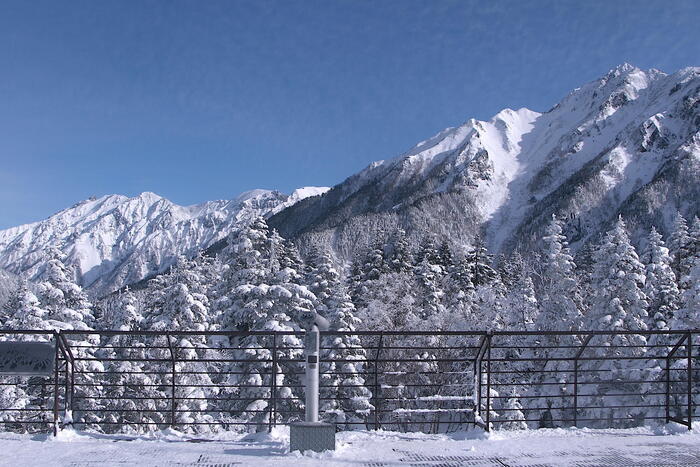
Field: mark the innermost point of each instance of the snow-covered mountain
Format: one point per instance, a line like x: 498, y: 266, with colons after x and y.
x: 116, y: 240
x: 626, y: 143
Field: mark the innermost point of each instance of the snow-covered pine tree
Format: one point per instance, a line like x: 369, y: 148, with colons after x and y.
x: 69, y: 308
x: 62, y: 297
x: 560, y: 310
x: 185, y: 310
x: 679, y: 246
x: 132, y: 398
x: 23, y: 311
x: 427, y: 249
x: 346, y: 399
x: 688, y: 316
x: 561, y: 305
x: 458, y: 292
x: 429, y: 278
x: 125, y: 314
x: 258, y: 296
x: 400, y: 258
x: 367, y: 269
x: 480, y: 264
x: 660, y: 285
x: 619, y: 304
x: 512, y: 413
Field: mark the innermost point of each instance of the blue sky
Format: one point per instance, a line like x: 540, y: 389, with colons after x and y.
x: 201, y: 100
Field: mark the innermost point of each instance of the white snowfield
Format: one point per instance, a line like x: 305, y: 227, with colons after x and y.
x: 669, y: 445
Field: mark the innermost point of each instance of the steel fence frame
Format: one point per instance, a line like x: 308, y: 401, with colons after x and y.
x: 481, y: 361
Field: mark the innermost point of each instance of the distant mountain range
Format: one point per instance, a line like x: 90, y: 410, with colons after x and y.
x: 115, y: 240
x: 627, y: 143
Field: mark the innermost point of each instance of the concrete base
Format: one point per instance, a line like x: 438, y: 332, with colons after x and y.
x: 311, y: 436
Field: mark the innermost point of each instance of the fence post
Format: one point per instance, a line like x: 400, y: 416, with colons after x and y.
x: 576, y: 358
x: 377, y: 404
x: 478, y: 377
x: 69, y: 382
x: 670, y: 355
x: 690, y: 380
x: 172, y: 384
x: 55, y: 384
x: 488, y: 380
x: 273, y: 384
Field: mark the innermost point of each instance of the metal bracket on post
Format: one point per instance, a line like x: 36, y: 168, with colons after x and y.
x: 172, y: 384
x: 576, y: 357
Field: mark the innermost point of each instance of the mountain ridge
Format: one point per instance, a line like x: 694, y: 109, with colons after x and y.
x: 627, y: 143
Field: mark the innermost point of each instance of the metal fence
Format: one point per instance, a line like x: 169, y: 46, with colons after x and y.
x: 138, y: 381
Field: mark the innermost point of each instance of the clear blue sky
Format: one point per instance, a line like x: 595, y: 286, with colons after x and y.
x: 201, y: 100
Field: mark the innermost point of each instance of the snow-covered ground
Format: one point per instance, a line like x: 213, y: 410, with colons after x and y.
x: 670, y: 445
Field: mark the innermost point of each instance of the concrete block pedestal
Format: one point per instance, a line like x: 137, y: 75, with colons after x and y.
x: 311, y: 436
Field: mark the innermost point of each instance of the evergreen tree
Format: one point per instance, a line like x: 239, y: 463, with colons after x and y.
x: 660, y: 286
x: 346, y: 399
x: 429, y: 278
x: 23, y: 311
x: 688, y: 317
x: 479, y: 260
x: 125, y: 315
x: 619, y: 304
x: 561, y: 303
x: 400, y: 258
x: 513, y: 416
x: 260, y: 295
x: 63, y: 298
x: 620, y: 301
x: 679, y: 246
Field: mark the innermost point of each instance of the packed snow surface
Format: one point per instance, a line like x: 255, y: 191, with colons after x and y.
x: 670, y: 445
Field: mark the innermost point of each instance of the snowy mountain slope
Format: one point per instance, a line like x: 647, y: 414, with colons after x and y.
x: 115, y: 240
x: 589, y: 158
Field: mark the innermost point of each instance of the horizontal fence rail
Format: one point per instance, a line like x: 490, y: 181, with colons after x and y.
x: 435, y: 382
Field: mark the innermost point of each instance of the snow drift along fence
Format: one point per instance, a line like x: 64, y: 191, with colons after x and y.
x: 124, y: 381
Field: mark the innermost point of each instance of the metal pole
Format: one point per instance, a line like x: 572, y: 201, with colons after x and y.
x: 668, y: 389
x: 670, y: 354
x: 585, y: 343
x: 55, y: 385
x: 690, y: 381
x: 376, y: 383
x: 488, y: 382
x: 478, y: 377
x: 172, y: 384
x: 273, y: 385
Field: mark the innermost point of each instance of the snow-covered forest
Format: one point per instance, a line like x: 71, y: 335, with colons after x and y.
x: 260, y: 282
